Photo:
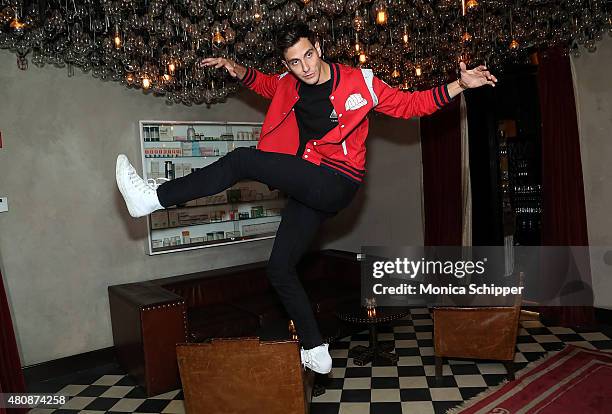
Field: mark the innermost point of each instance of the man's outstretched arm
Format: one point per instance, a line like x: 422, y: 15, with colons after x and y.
x: 264, y: 85
x: 400, y: 104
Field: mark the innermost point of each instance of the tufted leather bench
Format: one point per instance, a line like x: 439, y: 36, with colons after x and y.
x: 149, y: 318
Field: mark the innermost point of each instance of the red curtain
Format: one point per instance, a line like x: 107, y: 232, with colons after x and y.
x: 441, y: 152
x: 11, y: 376
x: 564, y: 214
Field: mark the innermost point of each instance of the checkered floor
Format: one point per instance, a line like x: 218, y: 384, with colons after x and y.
x: 409, y: 387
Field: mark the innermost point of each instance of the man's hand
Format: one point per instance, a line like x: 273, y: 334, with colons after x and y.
x: 476, y: 77
x: 234, y: 69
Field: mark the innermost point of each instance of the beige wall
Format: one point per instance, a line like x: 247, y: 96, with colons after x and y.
x: 594, y: 105
x: 67, y: 235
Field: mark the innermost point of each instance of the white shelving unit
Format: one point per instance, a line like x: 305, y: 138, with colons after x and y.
x: 245, y: 212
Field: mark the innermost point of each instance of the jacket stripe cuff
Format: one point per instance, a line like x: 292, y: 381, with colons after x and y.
x: 249, y: 78
x: 441, y: 95
x: 435, y: 96
x: 446, y: 94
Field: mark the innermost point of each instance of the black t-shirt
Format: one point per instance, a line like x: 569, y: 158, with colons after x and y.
x: 314, y: 112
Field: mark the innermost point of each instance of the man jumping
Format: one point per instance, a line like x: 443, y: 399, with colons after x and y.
x: 312, y: 148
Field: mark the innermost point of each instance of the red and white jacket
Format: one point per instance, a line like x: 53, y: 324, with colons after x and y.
x: 355, y: 92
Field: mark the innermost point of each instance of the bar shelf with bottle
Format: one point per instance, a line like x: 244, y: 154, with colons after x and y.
x: 247, y: 211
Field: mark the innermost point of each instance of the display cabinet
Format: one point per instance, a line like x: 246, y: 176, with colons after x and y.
x: 247, y: 211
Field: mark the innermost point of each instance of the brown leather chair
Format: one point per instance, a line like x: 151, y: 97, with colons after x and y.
x: 244, y: 375
x: 477, y: 333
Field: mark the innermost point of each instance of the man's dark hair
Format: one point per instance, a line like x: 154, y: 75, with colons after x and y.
x: 290, y: 35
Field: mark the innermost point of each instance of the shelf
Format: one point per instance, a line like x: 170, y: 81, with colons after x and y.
x: 220, y: 222
x: 166, y: 143
x: 207, y: 243
x: 184, y: 156
x: 203, y: 140
x: 228, y: 203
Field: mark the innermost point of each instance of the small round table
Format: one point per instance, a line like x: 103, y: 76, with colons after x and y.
x: 378, y: 352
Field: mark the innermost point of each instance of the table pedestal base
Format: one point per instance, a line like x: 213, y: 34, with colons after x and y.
x: 378, y: 353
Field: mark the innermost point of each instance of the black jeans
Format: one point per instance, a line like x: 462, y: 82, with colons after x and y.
x: 315, y: 193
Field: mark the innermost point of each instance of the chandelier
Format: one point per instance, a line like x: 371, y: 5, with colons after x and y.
x: 155, y: 45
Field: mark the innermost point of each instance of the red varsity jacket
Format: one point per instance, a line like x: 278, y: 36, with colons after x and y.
x: 354, y: 94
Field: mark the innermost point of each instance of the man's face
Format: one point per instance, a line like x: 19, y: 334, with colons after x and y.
x: 303, y: 59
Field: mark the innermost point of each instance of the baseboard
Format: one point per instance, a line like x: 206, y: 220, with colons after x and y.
x: 68, y: 365
x: 603, y: 316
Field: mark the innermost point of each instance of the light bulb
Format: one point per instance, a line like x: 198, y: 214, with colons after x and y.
x: 171, y: 67
x: 218, y: 39
x: 16, y: 24
x: 396, y: 73
x: 257, y: 15
x: 514, y: 44
x: 417, y: 70
x: 358, y: 22
x: 381, y: 12
x: 117, y: 38
x: 362, y: 57
x: 466, y: 37
x: 146, y: 82
x: 471, y: 4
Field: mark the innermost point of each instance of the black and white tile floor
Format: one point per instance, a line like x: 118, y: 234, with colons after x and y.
x: 409, y: 387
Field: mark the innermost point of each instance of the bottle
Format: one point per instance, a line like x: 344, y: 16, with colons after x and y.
x: 169, y: 170
x: 191, y: 133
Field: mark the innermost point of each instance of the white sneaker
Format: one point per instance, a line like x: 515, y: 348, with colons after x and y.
x: 140, y: 196
x: 317, y: 359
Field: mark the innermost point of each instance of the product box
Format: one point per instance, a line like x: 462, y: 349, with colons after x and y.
x: 233, y: 195
x: 165, y: 133
x: 159, y: 219
x: 173, y: 218
x: 178, y: 170
x: 263, y: 228
x: 155, y: 167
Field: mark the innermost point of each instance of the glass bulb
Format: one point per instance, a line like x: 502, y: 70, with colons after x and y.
x: 514, y: 44
x: 381, y: 12
x: 362, y: 57
x: 358, y: 22
x: 218, y: 39
x: 417, y: 70
x: 117, y: 38
x: 146, y: 82
x: 171, y: 67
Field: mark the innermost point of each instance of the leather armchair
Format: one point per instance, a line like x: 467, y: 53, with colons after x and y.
x: 477, y: 333
x: 244, y: 376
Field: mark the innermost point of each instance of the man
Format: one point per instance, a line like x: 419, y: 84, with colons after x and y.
x: 312, y: 148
